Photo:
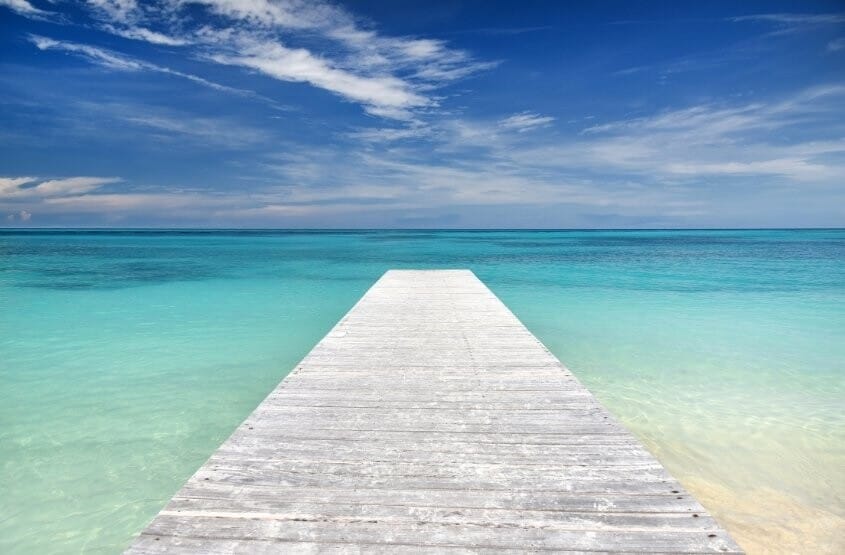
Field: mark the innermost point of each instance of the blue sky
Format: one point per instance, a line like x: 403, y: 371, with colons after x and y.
x: 295, y: 113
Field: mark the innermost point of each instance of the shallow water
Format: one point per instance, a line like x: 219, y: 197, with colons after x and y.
x: 126, y: 357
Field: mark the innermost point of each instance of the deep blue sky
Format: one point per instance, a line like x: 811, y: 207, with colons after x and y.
x: 289, y: 113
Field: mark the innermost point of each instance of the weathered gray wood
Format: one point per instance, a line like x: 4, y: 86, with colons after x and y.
x: 431, y: 420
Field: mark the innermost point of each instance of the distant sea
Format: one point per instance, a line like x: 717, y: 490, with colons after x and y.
x: 126, y: 357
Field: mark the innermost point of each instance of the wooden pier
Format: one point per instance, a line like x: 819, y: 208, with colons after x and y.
x: 430, y: 420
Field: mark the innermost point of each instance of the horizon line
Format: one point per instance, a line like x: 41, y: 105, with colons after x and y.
x: 359, y: 229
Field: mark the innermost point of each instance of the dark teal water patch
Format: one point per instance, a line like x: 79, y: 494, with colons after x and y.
x: 681, y: 261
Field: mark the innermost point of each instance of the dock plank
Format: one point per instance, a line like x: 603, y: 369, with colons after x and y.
x: 430, y: 420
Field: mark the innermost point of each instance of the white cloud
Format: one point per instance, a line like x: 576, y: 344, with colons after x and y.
x: 25, y: 8
x: 96, y: 55
x: 836, y: 44
x: 10, y: 185
x: 795, y: 18
x: 381, y: 95
x: 293, y: 14
x: 120, y: 62
x: 430, y: 62
x: 205, y: 130
x: 141, y: 33
x: 793, y: 23
x: 525, y: 121
x: 19, y: 216
x: 656, y: 162
x: 125, y: 18
x: 709, y: 140
x: 21, y: 187
x: 70, y: 186
x: 337, y: 180
x: 313, y: 42
x: 122, y: 11
x: 664, y: 163
x: 391, y: 77
x: 135, y: 202
x: 796, y: 168
x: 390, y: 134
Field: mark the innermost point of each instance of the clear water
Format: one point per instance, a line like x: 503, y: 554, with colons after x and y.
x: 127, y: 357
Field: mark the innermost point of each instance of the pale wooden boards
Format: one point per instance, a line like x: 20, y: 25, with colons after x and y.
x: 430, y: 420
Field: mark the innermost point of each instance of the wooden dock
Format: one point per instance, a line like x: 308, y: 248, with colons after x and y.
x: 430, y: 420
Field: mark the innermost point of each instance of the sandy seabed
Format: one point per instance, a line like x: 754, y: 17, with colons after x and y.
x: 809, y: 529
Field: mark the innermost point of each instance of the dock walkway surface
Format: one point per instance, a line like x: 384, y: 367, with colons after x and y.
x: 430, y: 420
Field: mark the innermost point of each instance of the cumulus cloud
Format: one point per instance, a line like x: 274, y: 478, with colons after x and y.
x: 20, y: 216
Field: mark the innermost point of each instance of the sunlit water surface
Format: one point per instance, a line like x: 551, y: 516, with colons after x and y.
x: 127, y: 357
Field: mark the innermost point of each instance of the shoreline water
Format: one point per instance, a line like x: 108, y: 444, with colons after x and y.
x: 130, y: 357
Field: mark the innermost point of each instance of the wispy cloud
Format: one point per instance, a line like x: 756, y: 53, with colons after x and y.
x: 99, y: 56
x: 121, y: 62
x: 658, y: 168
x: 127, y: 19
x: 790, y: 23
x: 316, y: 43
x: 795, y: 18
x: 143, y: 34
x: 70, y: 186
x: 381, y: 95
x: 525, y: 121
x: 503, y: 31
x: 121, y: 11
x: 32, y: 187
x: 711, y: 140
x: 391, y: 134
x: 25, y: 8
x: 666, y: 163
x: 424, y: 154
x: 203, y: 130
x: 836, y: 44
x: 9, y: 185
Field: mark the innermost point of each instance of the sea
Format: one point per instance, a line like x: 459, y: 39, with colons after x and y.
x: 127, y: 356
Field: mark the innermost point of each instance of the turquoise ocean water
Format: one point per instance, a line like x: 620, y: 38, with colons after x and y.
x: 126, y: 357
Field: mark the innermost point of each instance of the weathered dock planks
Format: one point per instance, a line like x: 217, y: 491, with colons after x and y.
x: 430, y: 420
